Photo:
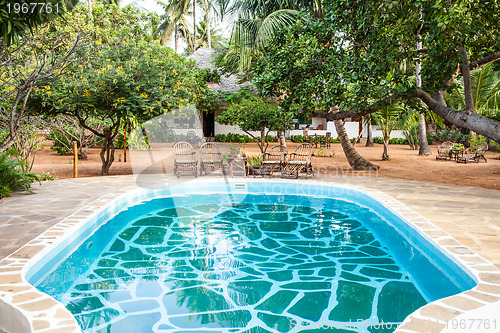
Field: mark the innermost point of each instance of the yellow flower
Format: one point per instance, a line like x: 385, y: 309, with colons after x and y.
x: 80, y: 66
x: 99, y: 51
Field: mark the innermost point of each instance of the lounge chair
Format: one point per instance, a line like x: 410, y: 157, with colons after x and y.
x: 299, y: 160
x: 185, y: 159
x: 475, y: 156
x: 444, y: 151
x: 210, y: 158
x: 272, y: 161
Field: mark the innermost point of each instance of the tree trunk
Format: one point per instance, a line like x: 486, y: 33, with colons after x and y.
x: 107, y: 152
x: 281, y: 138
x: 385, y: 154
x: 356, y: 161
x: 176, y: 38
x: 194, y: 26
x: 424, y: 149
x: 369, y: 137
x: 207, y: 19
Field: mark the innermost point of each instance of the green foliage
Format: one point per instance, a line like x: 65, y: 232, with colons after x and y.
x: 393, y: 141
x: 255, y: 115
x: 458, y: 145
x: 60, y: 143
x: 233, y: 137
x: 14, y: 20
x: 12, y: 176
x: 253, y: 160
x: 238, y: 96
x: 270, y: 138
x: 476, y: 140
x: 362, y: 55
x: 451, y: 135
x: 297, y: 138
x: 485, y: 89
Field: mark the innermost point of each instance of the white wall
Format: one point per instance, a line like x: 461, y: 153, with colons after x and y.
x: 226, y: 129
x: 376, y: 132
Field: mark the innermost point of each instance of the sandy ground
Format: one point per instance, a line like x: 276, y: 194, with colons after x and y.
x: 404, y: 164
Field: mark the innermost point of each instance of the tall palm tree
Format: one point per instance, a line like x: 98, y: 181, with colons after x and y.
x: 174, y: 20
x: 388, y: 119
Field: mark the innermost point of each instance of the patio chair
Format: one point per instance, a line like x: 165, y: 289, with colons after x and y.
x: 193, y: 139
x: 210, y: 158
x: 475, y: 156
x: 272, y: 161
x: 299, y: 160
x: 325, y: 142
x: 444, y: 151
x: 185, y: 159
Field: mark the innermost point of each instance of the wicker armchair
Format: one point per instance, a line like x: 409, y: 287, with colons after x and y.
x: 210, y: 158
x: 272, y: 161
x: 444, y: 151
x: 475, y: 156
x: 299, y: 160
x: 185, y: 159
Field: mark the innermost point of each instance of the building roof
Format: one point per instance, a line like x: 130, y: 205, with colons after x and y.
x: 203, y: 56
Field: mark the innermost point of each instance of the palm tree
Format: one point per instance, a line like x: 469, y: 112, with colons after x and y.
x: 174, y: 20
x: 388, y: 119
x: 356, y: 161
x: 256, y: 24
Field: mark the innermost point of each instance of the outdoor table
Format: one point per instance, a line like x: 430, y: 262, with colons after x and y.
x: 455, y: 152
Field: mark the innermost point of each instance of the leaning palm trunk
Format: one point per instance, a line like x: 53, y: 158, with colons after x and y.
x: 356, y: 161
x: 422, y: 136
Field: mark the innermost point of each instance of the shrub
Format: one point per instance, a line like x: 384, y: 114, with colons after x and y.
x: 378, y: 139
x: 233, y: 137
x: 271, y: 138
x: 451, y: 135
x: 297, y: 138
x: 12, y: 176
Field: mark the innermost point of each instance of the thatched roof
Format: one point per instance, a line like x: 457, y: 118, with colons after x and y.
x: 202, y: 56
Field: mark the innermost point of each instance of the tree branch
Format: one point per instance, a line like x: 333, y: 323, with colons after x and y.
x: 484, y: 61
x: 353, y: 113
x: 473, y: 121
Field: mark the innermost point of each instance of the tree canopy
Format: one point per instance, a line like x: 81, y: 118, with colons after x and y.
x: 362, y: 57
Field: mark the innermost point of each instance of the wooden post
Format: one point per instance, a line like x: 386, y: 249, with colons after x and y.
x: 75, y: 160
x: 125, y: 143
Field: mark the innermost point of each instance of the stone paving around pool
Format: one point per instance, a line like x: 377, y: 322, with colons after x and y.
x: 463, y: 220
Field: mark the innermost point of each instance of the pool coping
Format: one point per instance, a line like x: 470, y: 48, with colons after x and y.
x: 30, y: 310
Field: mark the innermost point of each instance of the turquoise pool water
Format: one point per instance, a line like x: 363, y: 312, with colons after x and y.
x: 248, y: 263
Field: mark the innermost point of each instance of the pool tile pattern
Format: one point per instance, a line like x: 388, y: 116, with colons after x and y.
x: 469, y: 217
x: 255, y: 264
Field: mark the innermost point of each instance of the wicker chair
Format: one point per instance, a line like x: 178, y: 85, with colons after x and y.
x: 444, y: 151
x: 325, y: 142
x: 210, y: 158
x: 272, y: 161
x: 185, y: 159
x: 299, y: 160
x: 475, y: 156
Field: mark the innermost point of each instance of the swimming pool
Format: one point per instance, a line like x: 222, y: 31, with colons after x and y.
x: 300, y: 256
